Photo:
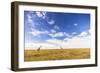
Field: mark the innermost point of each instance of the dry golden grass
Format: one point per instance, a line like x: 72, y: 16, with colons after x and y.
x: 56, y: 54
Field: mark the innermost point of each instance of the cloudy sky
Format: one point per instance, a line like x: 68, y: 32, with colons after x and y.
x: 54, y: 29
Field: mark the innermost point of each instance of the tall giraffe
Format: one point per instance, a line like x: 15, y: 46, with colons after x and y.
x: 61, y: 47
x: 39, y: 48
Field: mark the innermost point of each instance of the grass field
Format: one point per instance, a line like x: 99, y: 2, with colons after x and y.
x: 56, y: 54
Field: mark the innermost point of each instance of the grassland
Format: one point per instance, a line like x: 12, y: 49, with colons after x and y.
x: 56, y: 54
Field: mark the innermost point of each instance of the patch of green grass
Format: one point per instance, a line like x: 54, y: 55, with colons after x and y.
x: 56, y: 54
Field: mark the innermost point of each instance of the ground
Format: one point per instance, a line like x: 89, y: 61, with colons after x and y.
x: 56, y: 54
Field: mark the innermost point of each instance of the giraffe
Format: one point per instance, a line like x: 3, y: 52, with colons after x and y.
x: 61, y: 47
x: 39, y: 48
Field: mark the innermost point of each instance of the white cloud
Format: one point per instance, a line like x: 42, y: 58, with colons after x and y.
x: 83, y: 40
x: 51, y: 35
x: 29, y: 16
x: 82, y: 34
x: 89, y: 31
x: 53, y: 31
x: 29, y: 20
x: 56, y: 27
x: 74, y: 33
x: 58, y: 34
x: 67, y: 34
x: 54, y: 41
x: 51, y: 22
x: 66, y: 39
x: 75, y: 42
x: 37, y: 32
x: 75, y: 24
x: 41, y: 14
x: 35, y: 46
x: 44, y: 13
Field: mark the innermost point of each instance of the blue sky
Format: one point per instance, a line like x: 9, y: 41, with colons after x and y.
x: 42, y: 27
